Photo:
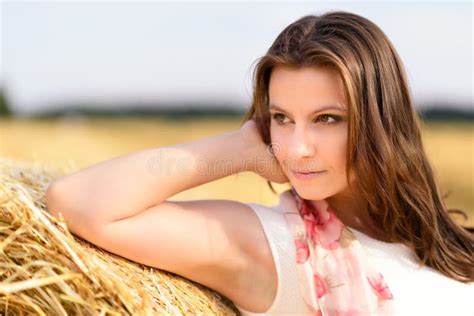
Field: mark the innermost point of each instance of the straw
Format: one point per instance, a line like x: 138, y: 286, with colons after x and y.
x: 46, y: 270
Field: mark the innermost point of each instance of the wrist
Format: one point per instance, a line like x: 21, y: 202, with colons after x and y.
x: 250, y: 145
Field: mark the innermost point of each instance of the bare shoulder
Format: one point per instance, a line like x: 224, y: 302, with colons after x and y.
x: 238, y: 237
x: 218, y: 243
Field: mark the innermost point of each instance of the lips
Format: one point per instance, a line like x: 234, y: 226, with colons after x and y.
x: 305, y: 172
x: 308, y: 175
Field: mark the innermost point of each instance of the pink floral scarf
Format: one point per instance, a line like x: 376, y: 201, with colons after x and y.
x: 334, y: 273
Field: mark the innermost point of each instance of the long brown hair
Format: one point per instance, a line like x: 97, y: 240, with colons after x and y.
x: 385, y: 147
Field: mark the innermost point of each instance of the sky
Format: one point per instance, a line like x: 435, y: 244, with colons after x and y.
x: 59, y: 52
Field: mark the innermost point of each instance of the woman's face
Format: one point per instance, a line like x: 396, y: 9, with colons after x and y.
x: 307, y: 135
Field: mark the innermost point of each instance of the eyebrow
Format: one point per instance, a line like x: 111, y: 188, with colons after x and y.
x: 322, y: 108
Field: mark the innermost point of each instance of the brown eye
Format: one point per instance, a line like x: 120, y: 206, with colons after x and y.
x: 325, y: 119
x: 279, y: 118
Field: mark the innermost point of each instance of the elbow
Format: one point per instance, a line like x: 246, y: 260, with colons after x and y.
x: 52, y: 198
x: 59, y: 201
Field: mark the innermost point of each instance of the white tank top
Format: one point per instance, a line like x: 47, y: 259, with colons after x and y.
x: 417, y: 291
x: 288, y: 300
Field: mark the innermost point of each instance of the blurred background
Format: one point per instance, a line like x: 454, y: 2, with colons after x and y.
x: 82, y: 82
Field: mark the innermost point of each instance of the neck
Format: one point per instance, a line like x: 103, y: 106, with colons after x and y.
x: 352, y: 209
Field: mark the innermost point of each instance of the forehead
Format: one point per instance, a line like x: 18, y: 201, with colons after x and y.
x: 307, y: 87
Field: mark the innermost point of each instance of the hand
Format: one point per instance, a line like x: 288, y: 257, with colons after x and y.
x: 262, y: 160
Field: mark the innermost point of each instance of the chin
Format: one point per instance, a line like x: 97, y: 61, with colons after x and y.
x: 310, y: 193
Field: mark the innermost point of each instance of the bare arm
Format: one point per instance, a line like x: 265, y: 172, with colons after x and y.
x: 126, y: 185
x: 120, y: 205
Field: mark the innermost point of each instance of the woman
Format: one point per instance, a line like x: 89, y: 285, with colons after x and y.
x: 331, y: 102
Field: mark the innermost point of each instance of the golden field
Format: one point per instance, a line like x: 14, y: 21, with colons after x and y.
x: 80, y: 142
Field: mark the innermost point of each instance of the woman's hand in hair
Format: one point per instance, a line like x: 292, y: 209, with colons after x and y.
x: 261, y: 160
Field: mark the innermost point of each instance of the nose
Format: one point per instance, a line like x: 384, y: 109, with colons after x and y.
x: 301, y: 145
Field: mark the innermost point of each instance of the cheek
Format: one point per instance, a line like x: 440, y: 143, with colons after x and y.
x: 333, y: 151
x: 279, y: 145
x: 340, y: 152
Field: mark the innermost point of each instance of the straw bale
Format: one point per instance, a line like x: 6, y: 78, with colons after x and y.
x: 47, y: 270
